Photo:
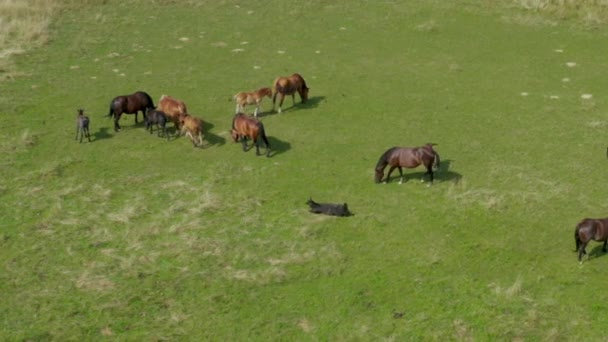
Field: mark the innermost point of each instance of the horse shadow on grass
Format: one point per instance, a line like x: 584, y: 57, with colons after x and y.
x: 443, y: 174
x: 278, y: 146
x: 210, y: 138
x: 102, y: 133
x: 312, y: 102
x: 595, y: 252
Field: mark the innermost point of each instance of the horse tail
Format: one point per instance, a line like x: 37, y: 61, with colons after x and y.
x: 263, y: 134
x: 437, y: 162
x: 577, y: 239
x: 111, y: 109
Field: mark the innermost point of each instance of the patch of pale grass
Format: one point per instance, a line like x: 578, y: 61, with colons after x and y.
x: 91, y: 282
x: 23, y: 25
x: 462, y: 330
x: 589, y: 12
x: 124, y: 215
x: 305, y: 325
x: 428, y: 26
x: 487, y: 198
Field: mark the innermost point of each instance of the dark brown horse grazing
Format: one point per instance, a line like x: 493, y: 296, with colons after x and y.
x: 410, y: 157
x: 244, y: 127
x: 130, y: 104
x: 289, y: 86
x: 587, y: 230
x: 255, y: 97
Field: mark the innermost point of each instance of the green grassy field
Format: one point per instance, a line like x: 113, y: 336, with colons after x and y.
x: 131, y: 237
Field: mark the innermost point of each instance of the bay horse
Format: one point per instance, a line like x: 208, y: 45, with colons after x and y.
x: 243, y: 127
x: 255, y: 97
x: 173, y: 109
x: 587, y: 230
x: 156, y: 118
x: 289, y: 86
x: 130, y: 104
x: 82, y: 125
x: 409, y: 157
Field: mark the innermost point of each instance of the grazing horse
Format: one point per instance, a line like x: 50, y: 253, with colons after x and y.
x: 410, y: 157
x: 158, y: 118
x: 587, y: 230
x: 193, y: 127
x: 242, y: 99
x: 82, y: 125
x: 289, y: 86
x: 244, y: 127
x: 173, y: 109
x: 130, y: 104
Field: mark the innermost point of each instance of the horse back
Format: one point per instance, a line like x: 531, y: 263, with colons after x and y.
x: 172, y: 107
x: 246, y: 126
x: 592, y: 229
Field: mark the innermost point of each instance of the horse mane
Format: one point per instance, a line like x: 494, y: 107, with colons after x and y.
x: 304, y: 86
x: 383, y: 158
x: 148, y: 98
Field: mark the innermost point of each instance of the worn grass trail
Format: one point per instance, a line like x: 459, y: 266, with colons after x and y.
x: 133, y: 237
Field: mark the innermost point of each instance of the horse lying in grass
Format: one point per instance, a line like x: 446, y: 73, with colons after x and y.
x: 82, y: 125
x: 130, y: 104
x: 156, y: 118
x: 193, y: 127
x: 289, y: 86
x: 328, y: 208
x: 587, y: 230
x: 255, y: 97
x: 409, y: 157
x: 244, y: 127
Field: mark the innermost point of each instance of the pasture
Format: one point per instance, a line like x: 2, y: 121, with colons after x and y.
x: 133, y: 237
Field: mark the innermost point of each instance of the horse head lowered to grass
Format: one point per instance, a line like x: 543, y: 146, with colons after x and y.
x: 289, y: 86
x: 408, y: 157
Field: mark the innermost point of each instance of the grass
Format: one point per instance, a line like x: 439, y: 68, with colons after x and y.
x: 132, y: 237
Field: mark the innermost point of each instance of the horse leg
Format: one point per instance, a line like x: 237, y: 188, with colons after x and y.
x: 388, y: 176
x: 401, y: 174
x: 604, y: 247
x: 244, y: 143
x: 116, y: 124
x: 581, y: 251
x: 281, y: 102
x: 88, y: 134
x: 256, y: 141
x: 429, y: 171
x: 238, y: 109
x: 293, y: 99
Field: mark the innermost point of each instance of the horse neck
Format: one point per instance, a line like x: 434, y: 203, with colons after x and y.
x: 384, y: 159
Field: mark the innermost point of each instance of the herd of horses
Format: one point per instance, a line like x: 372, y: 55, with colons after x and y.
x: 249, y: 127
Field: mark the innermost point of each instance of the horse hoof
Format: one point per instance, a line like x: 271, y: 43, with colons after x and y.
x: 400, y: 182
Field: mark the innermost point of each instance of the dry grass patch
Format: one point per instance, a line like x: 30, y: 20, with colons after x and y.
x: 23, y: 25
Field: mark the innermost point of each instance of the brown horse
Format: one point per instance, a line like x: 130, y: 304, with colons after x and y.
x: 82, y: 125
x: 173, y: 109
x: 289, y: 86
x: 587, y: 230
x: 242, y: 99
x: 410, y: 157
x: 193, y: 127
x: 244, y: 127
x: 130, y: 104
